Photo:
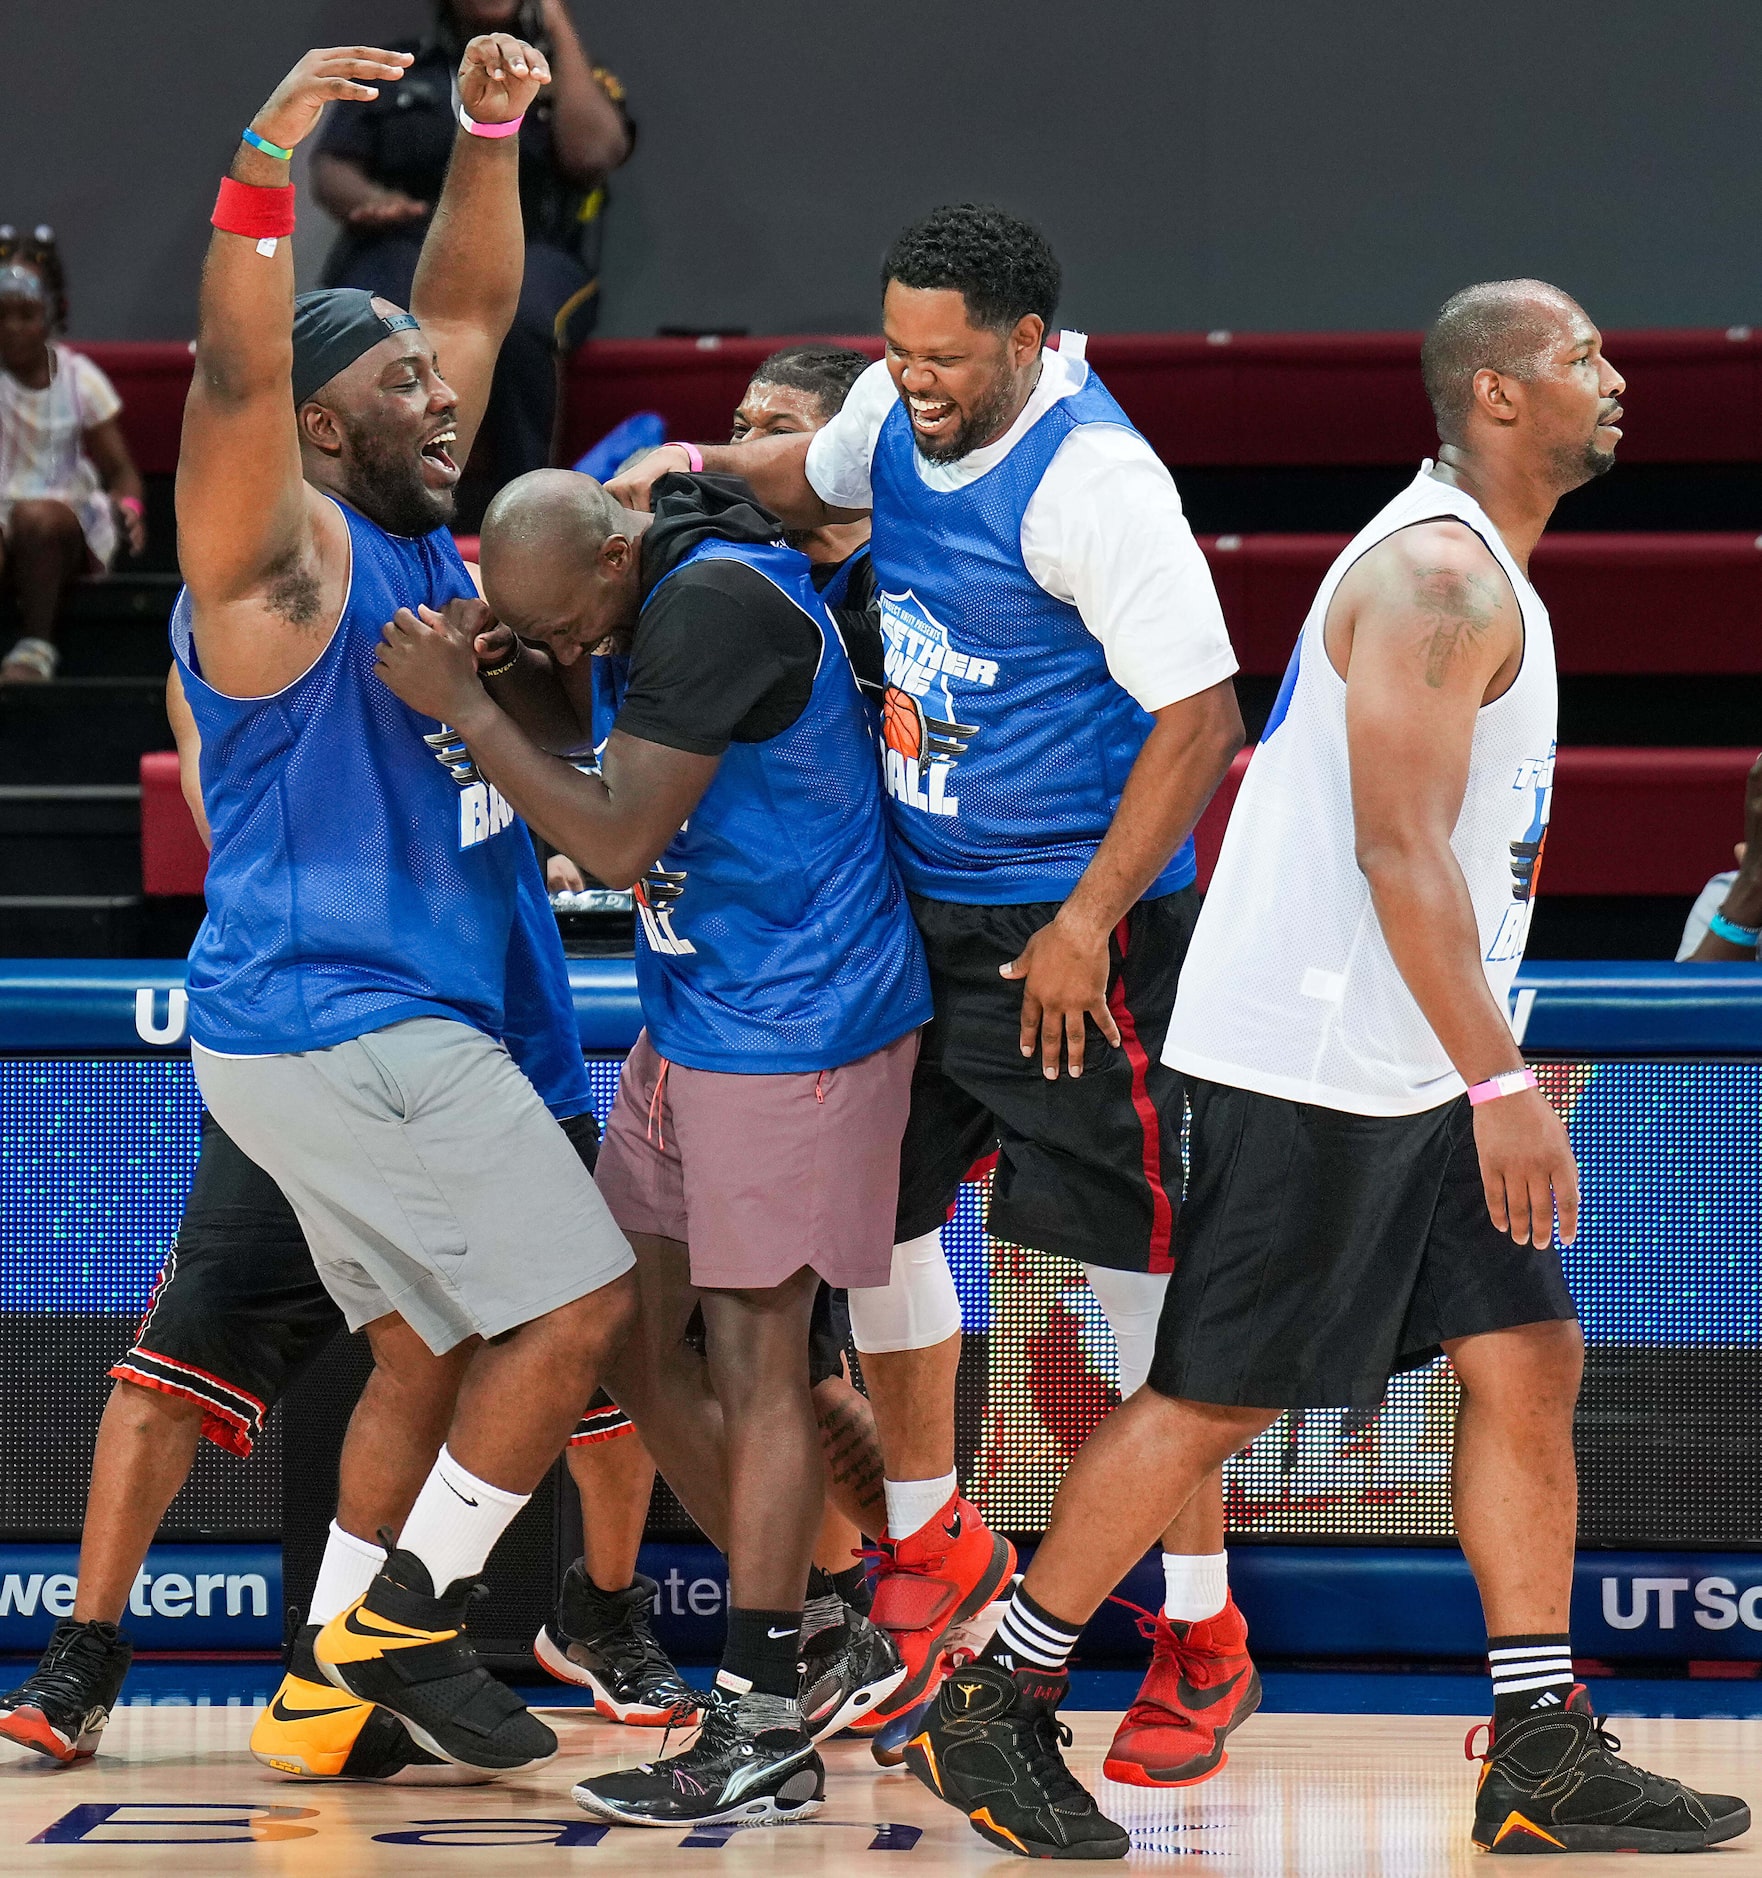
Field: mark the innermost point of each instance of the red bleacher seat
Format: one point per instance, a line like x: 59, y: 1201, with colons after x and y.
x: 173, y: 858
x: 1245, y: 398
x: 1624, y: 821
x: 1620, y: 603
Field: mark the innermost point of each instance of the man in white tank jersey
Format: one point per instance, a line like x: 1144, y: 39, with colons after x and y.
x: 1374, y: 1174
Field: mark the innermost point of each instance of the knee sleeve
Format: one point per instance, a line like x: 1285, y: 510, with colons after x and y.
x: 916, y: 1309
x: 1131, y: 1303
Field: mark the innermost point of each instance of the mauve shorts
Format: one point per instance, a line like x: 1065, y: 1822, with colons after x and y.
x: 761, y: 1175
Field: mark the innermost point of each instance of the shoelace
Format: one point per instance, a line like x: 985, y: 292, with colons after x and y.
x: 1039, y: 1737
x: 636, y: 1652
x: 59, y: 1676
x: 1143, y: 1712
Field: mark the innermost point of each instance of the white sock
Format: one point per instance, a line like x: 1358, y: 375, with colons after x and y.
x: 456, y: 1521
x: 914, y: 1503
x: 1197, y: 1585
x: 349, y: 1567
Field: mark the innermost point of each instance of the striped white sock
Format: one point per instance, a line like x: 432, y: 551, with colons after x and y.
x: 1529, y: 1673
x: 1031, y: 1636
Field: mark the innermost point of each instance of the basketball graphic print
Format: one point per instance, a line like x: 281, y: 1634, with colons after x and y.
x: 902, y: 724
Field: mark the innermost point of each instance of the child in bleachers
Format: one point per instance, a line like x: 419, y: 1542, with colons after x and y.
x: 69, y: 491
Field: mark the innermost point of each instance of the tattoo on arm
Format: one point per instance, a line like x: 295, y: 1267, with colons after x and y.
x: 1460, y: 607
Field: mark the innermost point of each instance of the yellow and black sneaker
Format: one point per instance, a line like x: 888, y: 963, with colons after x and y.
x: 1551, y: 1782
x: 313, y: 1731
x: 404, y: 1647
x: 989, y: 1744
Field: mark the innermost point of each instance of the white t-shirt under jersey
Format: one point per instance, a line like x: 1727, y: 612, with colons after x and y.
x: 1103, y: 532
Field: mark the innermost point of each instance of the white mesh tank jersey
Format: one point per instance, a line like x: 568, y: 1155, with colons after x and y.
x: 1288, y: 987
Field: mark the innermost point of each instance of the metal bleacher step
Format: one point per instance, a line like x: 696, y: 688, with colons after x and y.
x: 70, y: 839
x: 81, y: 730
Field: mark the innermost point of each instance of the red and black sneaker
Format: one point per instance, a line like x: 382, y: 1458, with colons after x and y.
x: 62, y: 1709
x: 925, y: 1585
x: 1201, y: 1685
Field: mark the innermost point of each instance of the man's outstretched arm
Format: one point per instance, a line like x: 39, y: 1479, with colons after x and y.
x: 1433, y: 620
x: 241, y: 501
x: 615, y: 824
x: 774, y: 468
x: 467, y: 283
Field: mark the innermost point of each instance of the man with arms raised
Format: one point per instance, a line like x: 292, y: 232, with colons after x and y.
x: 1374, y: 1173
x: 346, y: 990
x: 1058, y: 712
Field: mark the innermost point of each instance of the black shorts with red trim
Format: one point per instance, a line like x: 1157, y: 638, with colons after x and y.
x: 238, y: 1311
x: 1089, y: 1168
x: 603, y: 1421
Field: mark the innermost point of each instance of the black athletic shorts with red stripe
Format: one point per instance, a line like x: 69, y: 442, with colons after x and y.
x: 239, y: 1311
x: 1088, y: 1168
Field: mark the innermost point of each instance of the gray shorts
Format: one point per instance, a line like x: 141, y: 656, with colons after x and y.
x: 427, y: 1175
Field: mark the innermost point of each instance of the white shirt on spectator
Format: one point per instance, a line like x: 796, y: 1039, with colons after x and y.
x: 42, y: 444
x: 1103, y: 532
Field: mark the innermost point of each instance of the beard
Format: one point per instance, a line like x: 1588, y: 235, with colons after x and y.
x: 1574, y: 467
x: 977, y: 427
x: 385, y: 484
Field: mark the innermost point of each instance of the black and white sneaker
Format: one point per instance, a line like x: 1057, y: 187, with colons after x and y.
x: 752, y: 1764
x: 847, y: 1669
x: 1551, y: 1782
x: 61, y: 1710
x: 989, y: 1744
x: 601, y: 1640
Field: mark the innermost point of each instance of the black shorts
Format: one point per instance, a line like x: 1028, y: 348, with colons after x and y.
x: 239, y: 1309
x: 1089, y: 1168
x: 1319, y: 1253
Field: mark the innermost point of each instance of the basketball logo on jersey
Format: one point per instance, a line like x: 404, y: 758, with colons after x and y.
x: 918, y: 749
x: 655, y: 896
x: 1534, y: 778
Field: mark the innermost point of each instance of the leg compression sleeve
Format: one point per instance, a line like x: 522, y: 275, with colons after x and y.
x: 1131, y: 1303
x: 917, y: 1309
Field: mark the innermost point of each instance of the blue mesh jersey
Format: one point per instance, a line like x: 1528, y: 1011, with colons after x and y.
x: 353, y: 883
x: 538, y: 1023
x: 1006, y: 741
x: 775, y: 935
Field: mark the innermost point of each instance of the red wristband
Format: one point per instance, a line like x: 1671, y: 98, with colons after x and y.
x: 256, y: 213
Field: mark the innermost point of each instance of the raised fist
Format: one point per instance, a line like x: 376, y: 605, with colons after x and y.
x: 354, y: 72
x: 499, y: 77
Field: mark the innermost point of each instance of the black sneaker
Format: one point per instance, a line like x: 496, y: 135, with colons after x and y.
x: 405, y: 1648
x: 990, y: 1745
x: 601, y: 1640
x: 1551, y: 1783
x: 752, y: 1764
x: 62, y: 1709
x: 846, y: 1669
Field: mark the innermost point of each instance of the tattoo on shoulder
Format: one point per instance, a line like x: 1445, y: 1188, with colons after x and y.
x: 1460, y: 606
x: 293, y: 592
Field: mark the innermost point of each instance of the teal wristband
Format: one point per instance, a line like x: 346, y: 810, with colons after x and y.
x: 262, y: 143
x: 1732, y: 933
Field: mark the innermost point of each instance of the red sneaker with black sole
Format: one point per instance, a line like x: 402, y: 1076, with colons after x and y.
x: 943, y: 1574
x: 1200, y: 1687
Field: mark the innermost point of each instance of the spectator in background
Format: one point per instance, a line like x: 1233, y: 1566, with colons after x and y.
x: 69, y: 491
x: 379, y: 167
x: 1726, y: 922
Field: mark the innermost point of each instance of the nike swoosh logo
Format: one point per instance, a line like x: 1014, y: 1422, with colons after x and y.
x: 455, y: 1491
x: 1191, y: 1698
x: 954, y: 1531
x: 782, y: 1633
x: 353, y: 1624
x: 282, y: 1713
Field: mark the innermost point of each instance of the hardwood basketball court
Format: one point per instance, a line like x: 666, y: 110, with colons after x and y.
x: 1304, y: 1796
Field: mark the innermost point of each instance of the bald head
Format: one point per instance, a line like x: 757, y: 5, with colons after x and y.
x: 1507, y: 326
x: 559, y: 559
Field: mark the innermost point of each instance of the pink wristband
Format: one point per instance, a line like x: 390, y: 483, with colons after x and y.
x: 510, y: 129
x: 1513, y: 1082
x: 693, y: 455
x: 132, y: 504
